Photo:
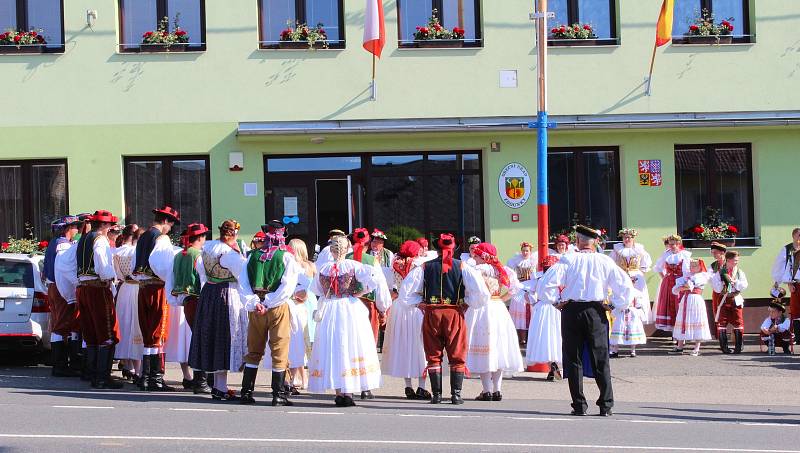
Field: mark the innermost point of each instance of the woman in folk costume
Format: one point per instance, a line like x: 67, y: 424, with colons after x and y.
x: 305, y: 303
x: 188, y: 278
x: 524, y: 265
x: 468, y: 257
x: 219, y: 335
x: 672, y: 265
x: 692, y: 320
x: 563, y: 245
x: 344, y: 357
x: 628, y: 325
x: 403, y: 352
x: 130, y: 348
x: 493, y: 347
x: 544, y: 332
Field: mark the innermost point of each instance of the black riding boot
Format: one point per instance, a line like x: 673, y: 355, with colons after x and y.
x: 456, y: 379
x: 143, y: 379
x: 75, y: 357
x: 436, y: 386
x: 86, y: 364
x: 90, y: 365
x: 739, y: 341
x: 156, y: 382
x: 279, y: 394
x: 200, y: 383
x: 249, y: 385
x: 60, y: 361
x: 723, y: 342
x: 796, y: 328
x: 105, y: 359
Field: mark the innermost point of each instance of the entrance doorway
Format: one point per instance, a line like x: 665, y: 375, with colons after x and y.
x: 334, y: 207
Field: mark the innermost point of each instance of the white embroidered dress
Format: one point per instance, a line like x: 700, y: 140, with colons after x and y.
x: 344, y: 356
x: 524, y: 269
x: 492, y: 342
x: 691, y: 324
x: 403, y: 352
x: 130, y: 344
x: 544, y: 331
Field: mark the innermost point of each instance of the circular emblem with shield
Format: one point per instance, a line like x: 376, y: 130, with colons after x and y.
x: 514, y: 185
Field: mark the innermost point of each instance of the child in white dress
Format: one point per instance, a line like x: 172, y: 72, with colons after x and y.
x: 691, y: 322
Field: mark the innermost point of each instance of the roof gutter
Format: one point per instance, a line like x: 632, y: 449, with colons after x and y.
x: 520, y: 124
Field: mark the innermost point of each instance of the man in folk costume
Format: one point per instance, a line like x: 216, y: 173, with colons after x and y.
x: 188, y: 278
x: 272, y: 272
x: 775, y: 331
x: 154, y: 259
x: 730, y: 281
x: 439, y: 288
x: 91, y: 271
x: 63, y: 317
x: 718, y: 253
x: 787, y: 270
x: 586, y: 278
x: 383, y: 259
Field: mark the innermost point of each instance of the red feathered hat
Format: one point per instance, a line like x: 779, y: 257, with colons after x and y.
x: 103, y: 216
x: 548, y: 262
x: 360, y: 240
x: 446, y: 243
x: 168, y: 211
x: 563, y: 238
x: 488, y: 253
x: 194, y: 229
x: 422, y: 242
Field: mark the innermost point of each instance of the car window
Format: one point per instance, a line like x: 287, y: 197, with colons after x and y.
x: 16, y: 274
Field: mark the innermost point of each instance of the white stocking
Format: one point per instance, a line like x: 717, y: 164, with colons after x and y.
x: 221, y: 381
x: 408, y: 381
x: 497, y: 380
x: 423, y: 384
x: 486, y: 381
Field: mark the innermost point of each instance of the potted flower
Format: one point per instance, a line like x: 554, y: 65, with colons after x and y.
x: 705, y: 31
x: 163, y: 40
x: 575, y: 33
x: 435, y: 35
x: 30, y: 246
x: 713, y: 228
x: 22, y: 41
x: 301, y: 36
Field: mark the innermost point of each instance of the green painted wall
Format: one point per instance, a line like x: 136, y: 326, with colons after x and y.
x: 233, y: 81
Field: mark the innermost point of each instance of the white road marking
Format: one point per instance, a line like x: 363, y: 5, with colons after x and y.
x: 438, y: 416
x: 547, y: 419
x: 392, y: 442
x: 315, y: 413
x: 790, y: 424
x: 663, y: 422
x: 190, y: 409
x: 23, y: 377
x: 84, y: 407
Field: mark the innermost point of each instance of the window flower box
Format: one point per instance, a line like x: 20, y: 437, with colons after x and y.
x: 13, y: 41
x: 301, y: 36
x: 434, y: 35
x: 177, y: 47
x: 709, y: 39
x: 299, y: 45
x: 704, y: 30
x: 162, y: 40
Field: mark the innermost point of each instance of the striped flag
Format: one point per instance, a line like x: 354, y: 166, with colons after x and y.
x: 374, y: 28
x: 664, y: 27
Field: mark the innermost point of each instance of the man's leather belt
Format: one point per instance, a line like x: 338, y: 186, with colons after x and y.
x: 94, y: 283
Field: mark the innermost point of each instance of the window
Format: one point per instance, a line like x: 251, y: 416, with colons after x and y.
x: 600, y: 14
x: 451, y: 13
x: 181, y: 182
x: 42, y: 16
x: 431, y: 192
x: 137, y: 17
x: 276, y: 15
x: 32, y: 195
x: 718, y: 177
x: 583, y: 187
x: 735, y: 11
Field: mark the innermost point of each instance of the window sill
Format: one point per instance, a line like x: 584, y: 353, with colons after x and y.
x: 29, y: 52
x: 555, y: 43
x: 160, y: 52
x: 315, y: 49
x: 446, y: 48
x: 732, y: 44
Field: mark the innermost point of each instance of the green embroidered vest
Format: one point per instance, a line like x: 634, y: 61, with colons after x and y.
x: 184, y: 274
x: 264, y: 274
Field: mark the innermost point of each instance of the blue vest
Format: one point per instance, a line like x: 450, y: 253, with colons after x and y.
x: 144, y: 247
x: 85, y: 254
x: 445, y: 287
x: 50, y: 257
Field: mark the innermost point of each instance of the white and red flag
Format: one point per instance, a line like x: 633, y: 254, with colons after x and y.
x: 374, y: 28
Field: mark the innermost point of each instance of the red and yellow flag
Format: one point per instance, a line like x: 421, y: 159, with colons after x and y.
x: 664, y: 27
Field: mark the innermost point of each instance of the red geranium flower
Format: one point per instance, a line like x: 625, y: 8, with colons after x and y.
x: 180, y: 33
x: 698, y: 229
x: 730, y: 27
x: 554, y: 30
x: 43, y: 244
x: 587, y: 27
x: 733, y: 229
x: 17, y: 38
x: 4, y: 246
x: 694, y: 28
x: 563, y: 29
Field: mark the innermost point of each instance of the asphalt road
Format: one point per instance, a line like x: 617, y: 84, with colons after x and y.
x: 744, y: 403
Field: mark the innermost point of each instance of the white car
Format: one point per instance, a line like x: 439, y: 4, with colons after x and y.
x: 24, y: 309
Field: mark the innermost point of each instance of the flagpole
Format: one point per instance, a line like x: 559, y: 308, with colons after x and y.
x: 374, y: 96
x: 648, y: 91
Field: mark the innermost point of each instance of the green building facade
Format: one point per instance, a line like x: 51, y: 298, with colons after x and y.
x: 233, y: 125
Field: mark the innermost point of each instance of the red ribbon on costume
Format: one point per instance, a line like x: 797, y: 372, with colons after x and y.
x: 488, y: 253
x: 402, y: 266
x: 334, y: 280
x: 447, y: 243
x: 360, y: 241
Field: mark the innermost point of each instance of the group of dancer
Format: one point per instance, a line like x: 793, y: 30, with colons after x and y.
x: 216, y: 306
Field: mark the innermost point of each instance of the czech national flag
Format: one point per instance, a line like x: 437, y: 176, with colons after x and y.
x: 374, y: 28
